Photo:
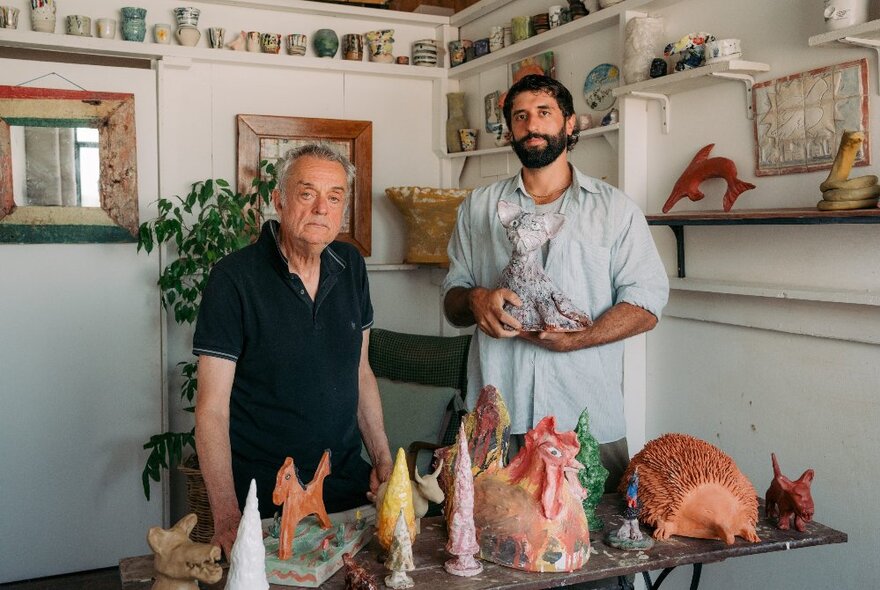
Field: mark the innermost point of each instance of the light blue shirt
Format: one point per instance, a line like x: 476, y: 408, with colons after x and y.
x: 603, y: 255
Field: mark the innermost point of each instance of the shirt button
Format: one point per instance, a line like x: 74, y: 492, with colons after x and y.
x: 302, y: 292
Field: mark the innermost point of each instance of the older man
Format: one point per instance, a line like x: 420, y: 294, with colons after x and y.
x: 282, y: 339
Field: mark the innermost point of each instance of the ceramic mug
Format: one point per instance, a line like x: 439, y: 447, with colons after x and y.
x: 43, y: 15
x: 402, y: 60
x: 270, y: 42
x: 353, y: 47
x: 496, y: 38
x: 296, y: 44
x: 381, y: 45
x: 253, y: 41
x: 520, y: 28
x: 215, y: 36
x: 468, y: 139
x: 78, y: 25
x: 8, y: 17
x: 162, y: 33
x: 722, y: 50
x: 105, y: 28
x: 456, y: 53
x: 554, y: 14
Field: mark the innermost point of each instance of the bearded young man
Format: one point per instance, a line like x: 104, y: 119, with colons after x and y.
x: 604, y: 260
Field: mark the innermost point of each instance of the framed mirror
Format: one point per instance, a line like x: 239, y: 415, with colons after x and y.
x: 68, y: 166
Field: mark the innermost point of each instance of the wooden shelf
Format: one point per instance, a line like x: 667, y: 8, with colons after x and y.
x: 774, y: 291
x: 597, y: 21
x: 506, y: 149
x: 660, y: 89
x: 678, y: 221
x: 181, y: 55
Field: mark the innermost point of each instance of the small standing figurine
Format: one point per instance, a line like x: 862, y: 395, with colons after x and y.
x: 400, y: 558
x: 788, y: 500
x: 299, y: 500
x: 462, y: 534
x: 629, y: 537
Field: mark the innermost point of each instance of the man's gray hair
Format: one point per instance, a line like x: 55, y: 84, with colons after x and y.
x: 320, y: 150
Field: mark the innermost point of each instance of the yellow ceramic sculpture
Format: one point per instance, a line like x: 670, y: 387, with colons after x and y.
x: 430, y: 217
x: 398, y: 496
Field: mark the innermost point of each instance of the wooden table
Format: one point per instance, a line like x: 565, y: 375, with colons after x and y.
x: 605, y: 562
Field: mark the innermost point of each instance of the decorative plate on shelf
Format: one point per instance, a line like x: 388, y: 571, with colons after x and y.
x: 598, y: 85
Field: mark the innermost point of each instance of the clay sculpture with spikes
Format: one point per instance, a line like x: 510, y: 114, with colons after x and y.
x: 839, y: 192
x: 703, y: 167
x: 689, y: 487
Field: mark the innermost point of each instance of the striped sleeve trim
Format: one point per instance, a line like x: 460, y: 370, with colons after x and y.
x: 367, y: 327
x: 217, y: 353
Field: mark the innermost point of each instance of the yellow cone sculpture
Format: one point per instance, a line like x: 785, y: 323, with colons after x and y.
x: 398, y: 497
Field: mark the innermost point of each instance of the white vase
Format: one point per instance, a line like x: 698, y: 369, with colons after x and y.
x: 642, y: 39
x: 840, y: 14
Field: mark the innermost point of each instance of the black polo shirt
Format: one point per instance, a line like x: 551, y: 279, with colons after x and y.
x: 295, y: 391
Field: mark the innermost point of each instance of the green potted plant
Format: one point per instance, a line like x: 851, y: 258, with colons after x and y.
x: 204, y: 226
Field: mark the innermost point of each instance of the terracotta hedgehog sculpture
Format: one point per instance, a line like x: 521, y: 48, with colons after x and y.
x: 689, y: 487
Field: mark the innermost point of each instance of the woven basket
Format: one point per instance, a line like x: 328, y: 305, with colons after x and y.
x: 197, y: 500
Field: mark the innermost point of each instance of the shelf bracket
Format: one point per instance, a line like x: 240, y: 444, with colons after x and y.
x: 870, y: 44
x: 664, y: 107
x: 678, y: 232
x: 746, y: 79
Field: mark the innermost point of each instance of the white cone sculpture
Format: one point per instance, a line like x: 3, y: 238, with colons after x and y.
x: 462, y: 533
x: 400, y: 557
x: 247, y: 564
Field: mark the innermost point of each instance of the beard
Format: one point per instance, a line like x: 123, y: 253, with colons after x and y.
x: 538, y: 157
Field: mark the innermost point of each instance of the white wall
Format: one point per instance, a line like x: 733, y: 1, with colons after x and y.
x: 756, y: 375
x: 80, y: 386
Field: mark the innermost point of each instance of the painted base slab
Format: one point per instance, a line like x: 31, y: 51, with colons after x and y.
x: 317, y: 552
x: 628, y: 544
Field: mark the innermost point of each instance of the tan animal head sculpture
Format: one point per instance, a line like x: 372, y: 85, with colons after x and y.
x: 179, y: 561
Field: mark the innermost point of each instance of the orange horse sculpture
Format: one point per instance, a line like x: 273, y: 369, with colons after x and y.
x: 299, y: 500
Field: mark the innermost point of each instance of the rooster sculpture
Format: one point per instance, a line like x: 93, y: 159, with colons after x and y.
x: 528, y: 515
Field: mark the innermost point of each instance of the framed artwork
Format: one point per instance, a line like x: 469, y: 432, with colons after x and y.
x: 543, y: 63
x: 267, y: 137
x: 800, y: 119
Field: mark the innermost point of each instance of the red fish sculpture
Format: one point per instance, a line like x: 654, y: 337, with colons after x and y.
x: 701, y: 168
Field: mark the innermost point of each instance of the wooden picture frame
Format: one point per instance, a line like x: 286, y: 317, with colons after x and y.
x: 268, y: 137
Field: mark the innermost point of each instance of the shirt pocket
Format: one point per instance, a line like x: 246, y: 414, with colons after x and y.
x: 584, y: 275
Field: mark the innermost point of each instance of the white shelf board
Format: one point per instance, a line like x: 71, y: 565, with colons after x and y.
x: 694, y: 78
x: 156, y: 51
x: 506, y: 149
x: 854, y: 297
x: 484, y: 7
x: 337, y: 10
x: 868, y: 30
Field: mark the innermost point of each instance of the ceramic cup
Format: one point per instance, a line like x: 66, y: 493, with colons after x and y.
x: 353, y: 47
x: 8, y: 17
x: 134, y: 23
x: 270, y: 42
x: 481, y: 47
x: 162, y: 33
x: 296, y: 44
x: 188, y: 35
x: 519, y: 27
x: 584, y: 122
x: 43, y: 16
x: 554, y: 14
x: 215, y: 36
x: 468, y: 139
x: 253, y: 41
x: 105, y: 28
x: 496, y: 38
x: 840, y: 14
x: 722, y: 50
x: 456, y: 53
x: 79, y: 25
x: 402, y: 60
x: 381, y: 45
x: 187, y: 15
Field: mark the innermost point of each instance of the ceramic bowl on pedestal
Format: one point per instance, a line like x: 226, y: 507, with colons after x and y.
x: 430, y: 217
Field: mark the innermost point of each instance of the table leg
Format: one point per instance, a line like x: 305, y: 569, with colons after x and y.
x: 695, y: 577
